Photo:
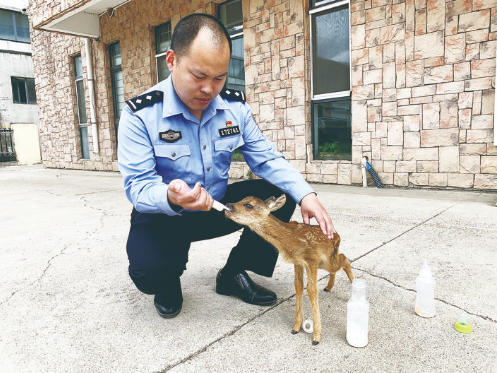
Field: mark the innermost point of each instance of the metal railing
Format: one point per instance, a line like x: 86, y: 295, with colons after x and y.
x: 7, y: 150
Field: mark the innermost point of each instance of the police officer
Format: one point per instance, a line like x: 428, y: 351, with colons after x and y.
x: 175, y: 146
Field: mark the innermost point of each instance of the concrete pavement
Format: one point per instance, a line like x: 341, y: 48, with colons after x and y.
x: 68, y: 305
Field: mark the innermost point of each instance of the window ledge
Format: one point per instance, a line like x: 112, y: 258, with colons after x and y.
x: 337, y: 161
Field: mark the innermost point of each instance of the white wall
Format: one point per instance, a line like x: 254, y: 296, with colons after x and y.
x: 14, y: 4
x: 15, y: 60
x: 17, y: 65
x: 26, y: 143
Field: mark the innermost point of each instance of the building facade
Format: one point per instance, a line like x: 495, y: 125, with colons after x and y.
x: 408, y: 83
x: 18, y: 110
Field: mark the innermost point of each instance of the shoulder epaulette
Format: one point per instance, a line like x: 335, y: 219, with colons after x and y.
x: 233, y: 94
x: 145, y: 100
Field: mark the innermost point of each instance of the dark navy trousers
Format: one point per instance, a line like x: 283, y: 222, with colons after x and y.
x: 158, y: 244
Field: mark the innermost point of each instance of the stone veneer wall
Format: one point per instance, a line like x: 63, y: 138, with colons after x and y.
x: 276, y: 58
x: 422, y: 85
x: 423, y: 73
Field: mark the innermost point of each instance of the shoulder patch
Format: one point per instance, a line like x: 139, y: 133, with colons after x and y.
x: 233, y: 94
x: 145, y: 100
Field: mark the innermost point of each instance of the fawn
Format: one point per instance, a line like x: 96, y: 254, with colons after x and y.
x: 303, y: 245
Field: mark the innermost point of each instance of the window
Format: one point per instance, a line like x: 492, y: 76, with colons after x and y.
x: 116, y: 76
x: 162, y: 44
x: 331, y: 105
x: 231, y: 16
x: 14, y: 26
x: 80, y: 97
x: 23, y: 90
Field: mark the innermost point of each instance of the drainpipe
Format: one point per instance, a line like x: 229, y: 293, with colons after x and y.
x: 91, y: 89
x: 364, y: 161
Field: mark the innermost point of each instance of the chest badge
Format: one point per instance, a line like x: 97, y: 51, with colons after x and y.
x: 229, y: 130
x: 170, y: 136
x: 228, y: 123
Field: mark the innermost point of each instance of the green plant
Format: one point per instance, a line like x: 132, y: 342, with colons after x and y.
x: 334, y: 147
x: 250, y: 175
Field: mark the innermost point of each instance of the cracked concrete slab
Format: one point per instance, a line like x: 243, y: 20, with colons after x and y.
x: 68, y: 305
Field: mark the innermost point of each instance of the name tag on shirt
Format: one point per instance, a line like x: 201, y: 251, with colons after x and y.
x: 170, y: 136
x: 229, y: 131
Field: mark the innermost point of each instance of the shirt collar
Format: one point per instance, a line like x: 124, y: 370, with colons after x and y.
x: 172, y: 104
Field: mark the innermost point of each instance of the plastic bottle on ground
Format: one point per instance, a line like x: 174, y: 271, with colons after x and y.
x: 425, y: 292
x: 358, y: 315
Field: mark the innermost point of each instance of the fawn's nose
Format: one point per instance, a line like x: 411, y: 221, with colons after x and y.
x: 229, y: 207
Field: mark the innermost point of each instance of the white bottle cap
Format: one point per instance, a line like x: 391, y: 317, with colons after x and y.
x: 425, y: 270
x: 359, y: 283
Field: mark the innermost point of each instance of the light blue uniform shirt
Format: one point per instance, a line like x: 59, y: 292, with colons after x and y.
x: 148, y: 163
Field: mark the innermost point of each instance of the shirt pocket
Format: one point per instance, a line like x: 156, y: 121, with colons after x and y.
x: 174, y: 162
x: 223, y: 151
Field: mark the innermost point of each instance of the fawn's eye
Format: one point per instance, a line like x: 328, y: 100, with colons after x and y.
x: 249, y: 206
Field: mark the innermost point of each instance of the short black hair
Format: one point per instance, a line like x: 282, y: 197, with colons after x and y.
x: 187, y: 29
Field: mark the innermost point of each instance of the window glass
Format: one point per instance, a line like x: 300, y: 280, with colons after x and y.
x: 80, y: 91
x: 23, y: 98
x: 80, y: 97
x: 162, y: 69
x: 330, y: 54
x: 116, y: 75
x: 85, y: 146
x: 22, y: 27
x: 15, y: 90
x: 231, y: 16
x: 23, y: 90
x: 332, y: 130
x: 119, y: 91
x: 78, y: 67
x: 7, y: 25
x: 163, y: 37
x: 318, y: 3
x: 162, y: 44
x: 115, y: 54
x: 236, y: 72
x: 31, y: 90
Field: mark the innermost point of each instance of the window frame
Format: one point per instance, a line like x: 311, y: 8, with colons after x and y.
x: 16, y: 36
x: 84, y: 140
x: 316, y: 9
x: 313, y: 129
x: 161, y: 54
x: 237, y: 34
x: 312, y: 12
x: 26, y: 87
x: 113, y: 70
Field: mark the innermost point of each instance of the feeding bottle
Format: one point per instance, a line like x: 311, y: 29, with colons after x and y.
x: 358, y: 315
x: 425, y: 292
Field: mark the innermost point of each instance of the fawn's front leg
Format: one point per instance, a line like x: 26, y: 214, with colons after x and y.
x: 299, y: 289
x: 312, y: 291
x: 331, y: 282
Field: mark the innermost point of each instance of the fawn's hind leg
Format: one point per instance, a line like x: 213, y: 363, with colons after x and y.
x: 345, y: 264
x: 312, y: 291
x: 299, y: 290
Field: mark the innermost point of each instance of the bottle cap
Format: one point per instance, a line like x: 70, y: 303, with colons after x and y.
x: 462, y: 325
x: 308, y: 326
x: 359, y: 283
x: 425, y: 269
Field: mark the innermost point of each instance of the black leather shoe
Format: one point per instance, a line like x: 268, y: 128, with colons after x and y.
x: 242, y: 286
x: 166, y: 311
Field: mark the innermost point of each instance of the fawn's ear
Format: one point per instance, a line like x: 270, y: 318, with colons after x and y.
x: 274, y: 204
